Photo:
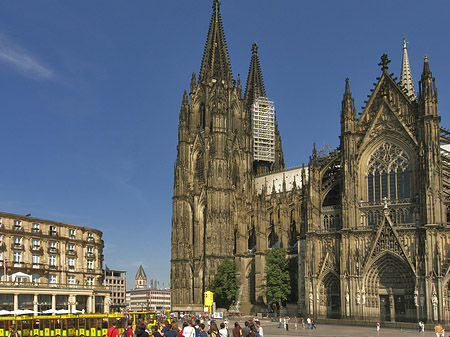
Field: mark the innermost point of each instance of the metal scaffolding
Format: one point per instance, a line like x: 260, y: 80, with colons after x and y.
x: 263, y: 130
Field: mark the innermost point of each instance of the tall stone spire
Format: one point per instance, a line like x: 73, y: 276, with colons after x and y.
x: 255, y: 83
x: 215, y: 63
x: 406, y: 80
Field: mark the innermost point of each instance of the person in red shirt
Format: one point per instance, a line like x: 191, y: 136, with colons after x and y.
x: 113, y: 331
x: 129, y: 330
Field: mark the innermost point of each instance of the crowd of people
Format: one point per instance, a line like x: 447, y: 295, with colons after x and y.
x: 189, y: 328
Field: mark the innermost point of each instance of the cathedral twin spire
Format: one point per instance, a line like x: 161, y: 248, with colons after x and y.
x: 215, y: 63
x: 255, y: 83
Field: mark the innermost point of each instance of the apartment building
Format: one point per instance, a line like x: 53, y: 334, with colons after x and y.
x: 51, y: 265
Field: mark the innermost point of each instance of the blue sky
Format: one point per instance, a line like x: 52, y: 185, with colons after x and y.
x: 90, y: 93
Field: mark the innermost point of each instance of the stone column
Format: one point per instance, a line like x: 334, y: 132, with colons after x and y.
x: 392, y: 304
x: 16, y: 301
x: 54, y: 302
x: 106, y: 303
x: 89, y: 304
x: 35, y: 302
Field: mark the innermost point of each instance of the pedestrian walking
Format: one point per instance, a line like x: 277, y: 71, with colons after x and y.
x: 113, y: 331
x: 378, y: 326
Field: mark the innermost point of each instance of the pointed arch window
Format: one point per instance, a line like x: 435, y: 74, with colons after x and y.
x: 388, y: 174
x: 251, y: 243
x: 200, y: 168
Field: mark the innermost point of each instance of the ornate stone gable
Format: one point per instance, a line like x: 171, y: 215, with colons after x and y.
x: 387, y: 240
x: 328, y: 263
x: 387, y: 110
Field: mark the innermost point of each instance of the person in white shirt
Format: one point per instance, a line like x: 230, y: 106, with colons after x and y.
x: 189, y: 330
x: 259, y: 329
x: 223, y: 332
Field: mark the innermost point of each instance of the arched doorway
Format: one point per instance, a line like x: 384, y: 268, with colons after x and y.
x: 331, y: 295
x: 390, y: 284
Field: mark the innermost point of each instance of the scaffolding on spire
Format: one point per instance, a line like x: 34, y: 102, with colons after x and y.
x: 263, y: 130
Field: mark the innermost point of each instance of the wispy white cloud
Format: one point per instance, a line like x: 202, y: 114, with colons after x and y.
x: 22, y: 60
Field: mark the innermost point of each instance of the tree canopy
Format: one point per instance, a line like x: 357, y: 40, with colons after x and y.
x: 277, y: 286
x: 225, y: 284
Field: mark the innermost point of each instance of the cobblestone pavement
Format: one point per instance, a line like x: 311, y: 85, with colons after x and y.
x: 271, y: 329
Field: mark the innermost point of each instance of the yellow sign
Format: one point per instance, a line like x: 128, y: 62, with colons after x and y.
x: 209, y: 298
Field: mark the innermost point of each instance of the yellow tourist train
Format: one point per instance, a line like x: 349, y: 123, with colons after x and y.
x: 71, y: 325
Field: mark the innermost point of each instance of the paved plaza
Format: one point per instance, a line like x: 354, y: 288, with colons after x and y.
x: 328, y: 330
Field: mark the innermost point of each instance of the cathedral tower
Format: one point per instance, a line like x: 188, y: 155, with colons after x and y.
x: 213, y: 167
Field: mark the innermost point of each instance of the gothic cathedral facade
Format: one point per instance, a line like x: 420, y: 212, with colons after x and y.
x: 365, y: 224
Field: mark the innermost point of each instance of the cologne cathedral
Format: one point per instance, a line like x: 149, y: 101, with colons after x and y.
x: 365, y: 224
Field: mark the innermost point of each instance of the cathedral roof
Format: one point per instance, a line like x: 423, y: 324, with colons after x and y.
x: 406, y: 80
x: 140, y: 273
x: 255, y: 83
x: 215, y: 63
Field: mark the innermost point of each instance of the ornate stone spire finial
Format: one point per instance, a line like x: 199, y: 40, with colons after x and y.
x: 406, y: 80
x: 254, y: 48
x: 404, y: 42
x: 216, y: 6
x: 384, y: 62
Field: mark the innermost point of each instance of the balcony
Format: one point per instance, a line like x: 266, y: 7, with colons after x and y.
x: 90, y: 239
x: 90, y: 255
x: 17, y: 246
x: 18, y: 228
x: 71, y: 252
x: 53, y: 250
x: 52, y: 267
x: 71, y: 268
x: 53, y: 233
x: 90, y: 270
x: 72, y: 237
x: 36, y: 231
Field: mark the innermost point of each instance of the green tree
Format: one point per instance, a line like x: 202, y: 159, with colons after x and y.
x: 225, y: 284
x: 278, y: 285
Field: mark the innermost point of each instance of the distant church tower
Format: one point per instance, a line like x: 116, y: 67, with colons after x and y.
x: 141, y: 278
x: 215, y: 169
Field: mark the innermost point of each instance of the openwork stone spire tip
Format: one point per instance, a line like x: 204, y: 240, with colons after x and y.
x: 406, y: 80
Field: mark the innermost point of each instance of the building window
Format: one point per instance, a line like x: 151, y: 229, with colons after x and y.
x: 90, y: 251
x: 17, y: 259
x: 35, y: 278
x: 71, y: 279
x: 52, y: 279
x: 52, y: 230
x: 35, y: 228
x: 52, y: 247
x: 17, y: 242
x: 90, y: 265
x: 71, y: 233
x: 90, y: 237
x: 90, y: 281
x: 388, y: 174
x: 35, y: 259
x: 71, y: 248
x: 17, y: 225
x: 71, y: 263
x: 36, y: 244
x: 52, y: 261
